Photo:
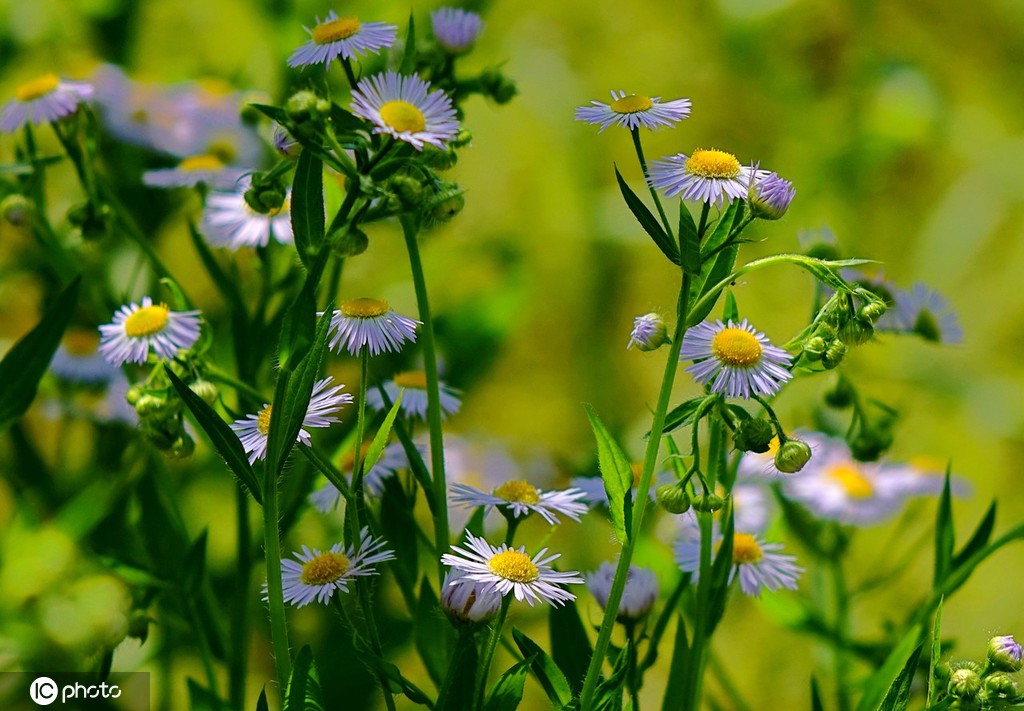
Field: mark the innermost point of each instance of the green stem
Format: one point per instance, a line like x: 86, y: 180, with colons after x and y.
x: 492, y: 644
x: 275, y: 588
x: 325, y: 467
x: 441, y: 536
x: 238, y: 664
x: 349, y: 74
x: 632, y: 676
x: 842, y: 624
x: 654, y: 193
x: 357, y: 468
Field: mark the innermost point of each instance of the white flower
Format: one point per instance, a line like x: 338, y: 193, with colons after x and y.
x: 370, y: 323
x: 344, y: 37
x: 401, y: 106
x: 137, y: 328
x: 709, y: 176
x: 207, y: 169
x: 468, y: 601
x: 228, y: 220
x: 392, y: 460
x: 638, y: 596
x: 759, y: 565
x: 414, y: 399
x: 633, y: 110
x: 324, y: 403
x: 508, y: 570
x: 649, y: 333
x: 44, y: 99
x: 78, y: 359
x: 735, y: 359
x: 455, y: 29
x: 317, y: 575
x: 521, y: 497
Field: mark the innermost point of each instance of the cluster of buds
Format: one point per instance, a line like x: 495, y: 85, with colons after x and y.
x: 971, y: 686
x: 306, y: 112
x: 161, y: 414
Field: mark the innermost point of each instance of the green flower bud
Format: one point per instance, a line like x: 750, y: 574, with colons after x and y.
x: 814, y: 347
x: 858, y: 330
x: 673, y: 498
x: 841, y: 394
x: 834, y: 354
x: 16, y: 210
x: 1004, y: 654
x: 706, y: 503
x: 138, y: 626
x: 462, y: 138
x: 183, y: 447
x: 348, y: 242
x: 440, y: 159
x: 149, y: 405
x: 871, y: 443
x: 964, y: 684
x: 444, y: 205
x: 497, y: 86
x: 1000, y: 686
x: 792, y: 456
x: 754, y: 435
x: 134, y: 393
x: 408, y: 189
x: 206, y: 390
x: 305, y: 107
x: 873, y: 310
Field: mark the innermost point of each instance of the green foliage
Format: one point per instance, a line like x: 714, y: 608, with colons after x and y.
x: 303, y: 692
x: 617, y: 476
x: 648, y: 221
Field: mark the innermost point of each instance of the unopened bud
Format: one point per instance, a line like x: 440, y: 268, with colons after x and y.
x: 134, y: 393
x: 205, y: 390
x: 834, y: 354
x: 870, y: 444
x: 408, y: 189
x: 673, y: 498
x: 792, y: 456
x: 873, y: 310
x: 1004, y: 654
x: 770, y: 196
x: 814, y: 347
x: 858, y: 330
x: 964, y: 684
x: 841, y: 394
x: 1000, y: 686
x: 16, y: 210
x: 348, y: 242
x: 649, y: 333
x: 467, y: 602
x: 497, y: 86
x: 183, y: 447
x: 708, y: 503
x: 149, y: 405
x: 754, y: 435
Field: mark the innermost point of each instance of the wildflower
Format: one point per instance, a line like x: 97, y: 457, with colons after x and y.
x: 317, y: 574
x: 324, y: 403
x: 638, y: 596
x: 344, y: 37
x: 414, y: 401
x: 509, y: 570
x: 928, y: 314
x: 401, y: 107
x: 284, y: 143
x: 78, y: 359
x: 207, y: 169
x: 649, y: 333
x: 137, y: 328
x: 710, y: 176
x: 392, y: 460
x: 739, y: 360
x: 633, y: 110
x: 370, y: 323
x: 1005, y: 654
x: 456, y: 30
x: 769, y: 196
x: 468, y: 601
x: 520, y: 498
x: 46, y: 98
x: 228, y: 221
x: 758, y: 564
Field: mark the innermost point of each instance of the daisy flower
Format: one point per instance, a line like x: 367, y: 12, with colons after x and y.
x: 456, y: 30
x: 414, y: 401
x: 44, y: 99
x: 401, y: 106
x: 228, y: 220
x: 78, y: 359
x: 633, y: 110
x: 324, y: 403
x: 206, y: 168
x: 137, y: 328
x: 638, y: 597
x: 649, y: 333
x: 317, y: 575
x: 769, y: 196
x: 710, y: 176
x: 344, y: 37
x: 508, y: 570
x: 758, y: 564
x: 521, y: 497
x: 468, y: 601
x: 392, y: 460
x: 736, y: 359
x: 927, y: 313
x: 370, y: 323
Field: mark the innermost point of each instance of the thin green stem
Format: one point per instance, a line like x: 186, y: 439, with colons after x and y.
x: 842, y: 627
x: 357, y: 464
x: 238, y: 663
x: 492, y: 644
x: 632, y: 676
x: 635, y: 133
x: 349, y: 74
x: 275, y: 587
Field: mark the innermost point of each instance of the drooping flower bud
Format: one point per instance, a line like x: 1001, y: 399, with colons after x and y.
x: 792, y: 456
x: 205, y: 390
x: 834, y: 354
x: 467, y: 602
x: 754, y: 435
x: 999, y: 686
x: 708, y: 503
x: 840, y: 395
x: 858, y: 330
x: 649, y: 333
x: 673, y: 498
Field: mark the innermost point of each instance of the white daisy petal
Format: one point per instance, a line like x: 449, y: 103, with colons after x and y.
x: 137, y: 328
x: 228, y: 220
x: 735, y: 359
x: 413, y: 384
x: 342, y: 37
x: 522, y: 498
x: 632, y: 111
x: 44, y: 99
x: 370, y: 323
x: 400, y: 106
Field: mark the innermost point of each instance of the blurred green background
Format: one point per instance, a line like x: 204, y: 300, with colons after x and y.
x: 898, y: 123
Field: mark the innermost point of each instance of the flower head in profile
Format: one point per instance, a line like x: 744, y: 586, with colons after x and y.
x: 372, y: 324
x: 467, y: 601
x: 404, y: 107
x: 638, y: 597
x: 508, y: 570
x: 736, y: 360
x: 521, y: 498
x: 138, y: 328
x: 44, y: 99
x: 315, y: 575
x: 649, y: 333
x: 769, y: 195
x: 456, y: 30
x: 926, y: 313
x: 206, y: 169
x: 634, y: 110
x: 414, y: 398
x: 759, y: 565
x: 229, y: 221
x: 710, y: 176
x: 324, y: 403
x: 344, y: 37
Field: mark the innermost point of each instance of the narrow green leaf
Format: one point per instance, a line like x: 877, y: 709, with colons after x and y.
x: 408, y: 65
x: 979, y: 539
x: 720, y: 570
x: 224, y: 440
x: 275, y: 113
x: 617, y: 476
x: 297, y: 328
x: 381, y: 438
x: 434, y: 635
x: 261, y: 702
x: 681, y: 415
x: 609, y: 691
x: 671, y: 603
x: 897, y: 698
x: 544, y: 668
x: 878, y: 683
x: 944, y: 534
x: 508, y: 690
x: 24, y: 365
x: 195, y: 564
x: 570, y: 646
x: 712, y: 272
x: 456, y: 692
x: 307, y: 209
x: 816, y: 703
x: 394, y: 676
x: 936, y: 654
x: 648, y: 221
x: 303, y: 692
x: 677, y: 672
x: 730, y: 312
x: 343, y: 122
x: 720, y: 234
x: 690, y: 240
x: 399, y: 528
x: 202, y: 699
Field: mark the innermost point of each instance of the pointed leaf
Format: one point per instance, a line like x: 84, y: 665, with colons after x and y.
x: 303, y: 692
x: 544, y: 668
x: 944, y: 534
x: 617, y: 476
x: 381, y: 438
x: 677, y: 673
x: 897, y: 698
x: 261, y: 702
x: 508, y: 690
x: 609, y: 691
x: 730, y: 312
x: 816, y: 703
x: 712, y: 272
x: 408, y: 65
x: 570, y: 646
x: 195, y: 564
x: 979, y: 539
x: 681, y: 415
x: 723, y: 228
x: 878, y: 683
x: 648, y: 221
x: 307, y: 209
x: 936, y: 654
x: 690, y: 240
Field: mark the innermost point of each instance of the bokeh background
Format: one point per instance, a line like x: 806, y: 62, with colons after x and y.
x: 898, y: 123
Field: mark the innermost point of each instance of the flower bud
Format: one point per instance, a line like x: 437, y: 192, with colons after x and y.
x: 814, y: 347
x: 135, y: 392
x: 497, y: 86
x: 673, y: 498
x: 840, y: 395
x: 285, y: 144
x: 770, y: 196
x: 638, y: 596
x: 1000, y: 686
x: 408, y: 189
x: 754, y: 435
x: 873, y: 310
x: 792, y: 456
x: 964, y: 684
x: 858, y: 330
x: 708, y: 503
x: 649, y: 333
x: 466, y: 602
x: 205, y: 390
x: 16, y: 210
x: 149, y: 405
x: 1004, y: 654
x: 834, y: 354
x: 183, y: 447
x: 348, y: 242
x: 446, y: 205
x: 462, y: 138
x: 871, y: 443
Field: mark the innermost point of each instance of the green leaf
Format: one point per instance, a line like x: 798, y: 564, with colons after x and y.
x: 730, y: 312
x: 475, y: 524
x: 979, y: 539
x: 617, y: 476
x: 897, y: 698
x: 381, y: 438
x: 275, y: 113
x: 570, y: 646
x: 816, y: 703
x: 202, y: 699
x: 720, y: 571
x: 936, y: 653
x: 681, y: 415
x: 307, y: 209
x: 879, y: 683
x: 677, y: 672
x: 456, y: 693
x: 648, y: 221
x: 24, y: 365
x: 261, y: 702
x: 544, y: 668
x: 399, y: 528
x: 195, y: 564
x: 690, y: 240
x: 712, y: 272
x: 297, y: 328
x: 609, y: 691
x: 344, y: 123
x: 508, y: 690
x: 434, y: 635
x: 408, y: 65
x: 303, y: 692
x: 224, y: 440
x: 944, y: 534
x: 390, y: 672
x: 720, y: 234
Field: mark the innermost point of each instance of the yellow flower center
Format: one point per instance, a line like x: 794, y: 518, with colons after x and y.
x: 263, y: 419
x: 146, y: 321
x: 81, y: 342
x: 40, y: 86
x: 415, y: 379
x: 202, y: 162
x: 324, y: 568
x: 712, y: 164
x: 745, y: 549
x: 855, y: 484
x: 736, y: 347
x: 364, y: 308
x: 773, y: 446
x: 514, y: 566
x: 518, y: 492
x: 334, y: 30
x: 631, y: 104
x: 402, y: 116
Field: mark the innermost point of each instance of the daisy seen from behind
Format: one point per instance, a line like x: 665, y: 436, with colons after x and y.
x: 137, y: 328
x: 342, y: 37
x: 370, y: 323
x: 43, y: 99
x: 519, y: 498
x: 206, y: 169
x: 634, y: 110
x: 510, y: 570
x: 736, y: 360
x: 404, y: 107
x: 229, y: 221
